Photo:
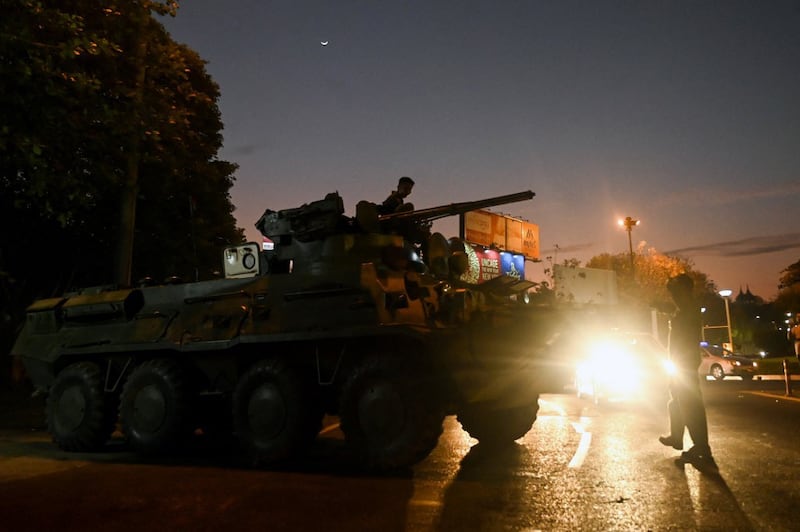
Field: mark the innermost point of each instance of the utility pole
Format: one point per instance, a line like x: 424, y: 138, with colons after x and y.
x: 629, y: 223
x: 726, y: 295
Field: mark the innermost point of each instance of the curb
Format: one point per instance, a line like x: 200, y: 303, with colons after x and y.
x: 775, y: 396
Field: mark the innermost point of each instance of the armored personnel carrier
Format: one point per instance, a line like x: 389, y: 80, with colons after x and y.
x: 341, y: 317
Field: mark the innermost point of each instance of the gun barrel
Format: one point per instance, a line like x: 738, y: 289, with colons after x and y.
x: 453, y: 209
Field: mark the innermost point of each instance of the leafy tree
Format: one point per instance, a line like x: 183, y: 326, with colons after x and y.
x: 96, y: 100
x: 790, y: 276
x: 755, y: 324
x: 181, y: 143
x: 787, y: 302
x: 646, y: 288
x: 81, y: 106
x: 759, y: 326
x: 648, y: 284
x: 788, y: 299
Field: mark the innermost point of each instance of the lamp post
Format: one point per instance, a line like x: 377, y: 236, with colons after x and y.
x: 726, y: 294
x: 703, y: 323
x: 629, y: 223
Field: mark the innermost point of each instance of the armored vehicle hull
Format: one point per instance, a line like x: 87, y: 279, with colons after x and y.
x: 335, y: 321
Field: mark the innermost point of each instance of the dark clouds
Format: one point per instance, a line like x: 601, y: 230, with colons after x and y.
x: 569, y: 249
x: 715, y: 195
x: 747, y: 246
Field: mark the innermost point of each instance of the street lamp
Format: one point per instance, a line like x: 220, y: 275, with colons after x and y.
x: 702, y: 324
x: 726, y: 294
x: 629, y: 223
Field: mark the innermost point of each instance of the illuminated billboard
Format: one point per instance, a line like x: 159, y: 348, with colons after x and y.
x: 503, y: 232
x: 486, y: 264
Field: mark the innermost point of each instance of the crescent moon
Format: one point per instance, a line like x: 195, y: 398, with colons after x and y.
x: 324, y: 43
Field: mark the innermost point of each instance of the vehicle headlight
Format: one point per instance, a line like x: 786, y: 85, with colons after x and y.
x: 669, y: 367
x: 609, y: 361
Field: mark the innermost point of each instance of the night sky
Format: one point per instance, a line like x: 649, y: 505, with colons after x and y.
x: 684, y: 115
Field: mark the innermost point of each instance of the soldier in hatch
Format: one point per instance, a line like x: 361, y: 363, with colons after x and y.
x: 396, y: 200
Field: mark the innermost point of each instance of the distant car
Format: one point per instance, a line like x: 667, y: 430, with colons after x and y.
x: 622, y: 367
x: 720, y: 363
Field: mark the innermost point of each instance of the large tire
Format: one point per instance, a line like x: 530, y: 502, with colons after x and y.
x: 276, y: 414
x: 80, y: 415
x: 389, y: 416
x: 155, y: 407
x: 494, y: 425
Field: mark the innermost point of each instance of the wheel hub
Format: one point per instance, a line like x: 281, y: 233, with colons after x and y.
x: 381, y: 412
x: 149, y: 409
x: 266, y: 411
x: 71, y: 409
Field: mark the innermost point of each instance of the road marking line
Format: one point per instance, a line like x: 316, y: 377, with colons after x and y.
x: 583, y: 446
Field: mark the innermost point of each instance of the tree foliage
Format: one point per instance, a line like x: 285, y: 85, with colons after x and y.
x: 645, y: 288
x: 647, y: 284
x: 69, y: 106
x: 755, y: 325
x: 790, y: 276
x: 788, y: 298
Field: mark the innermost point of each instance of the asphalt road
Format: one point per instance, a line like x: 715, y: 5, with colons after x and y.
x: 581, y: 467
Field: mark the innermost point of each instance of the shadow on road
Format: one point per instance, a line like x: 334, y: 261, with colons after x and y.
x: 487, y: 492
x: 712, y: 498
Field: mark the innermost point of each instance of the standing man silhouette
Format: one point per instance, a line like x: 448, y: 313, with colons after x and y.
x: 686, y: 408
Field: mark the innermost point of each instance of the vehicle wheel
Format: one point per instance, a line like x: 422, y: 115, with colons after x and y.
x: 155, y: 407
x: 717, y: 372
x: 493, y: 425
x: 276, y: 414
x: 80, y: 415
x: 389, y: 415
